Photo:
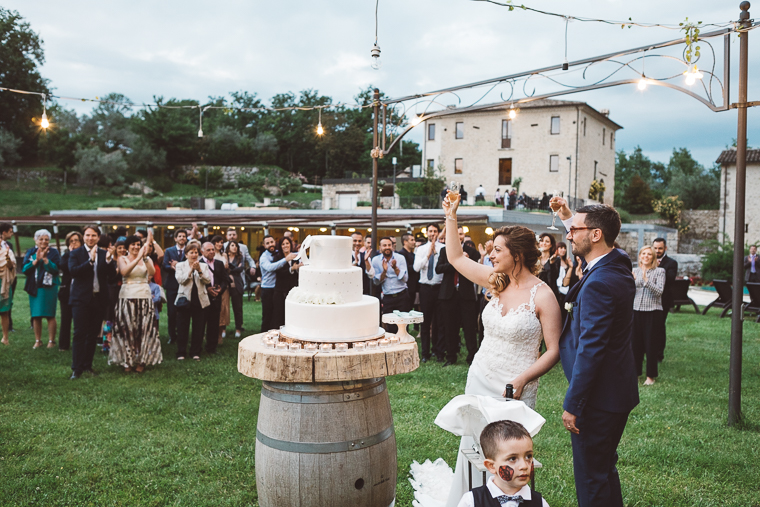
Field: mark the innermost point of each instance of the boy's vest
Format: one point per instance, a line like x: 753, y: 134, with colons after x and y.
x: 483, y: 498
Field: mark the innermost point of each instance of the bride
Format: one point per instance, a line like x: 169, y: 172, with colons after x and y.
x: 522, y: 311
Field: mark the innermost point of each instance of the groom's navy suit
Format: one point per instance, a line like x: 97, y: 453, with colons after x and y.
x: 597, y: 358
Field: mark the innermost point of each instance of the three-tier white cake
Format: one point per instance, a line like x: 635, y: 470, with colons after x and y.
x: 328, y: 304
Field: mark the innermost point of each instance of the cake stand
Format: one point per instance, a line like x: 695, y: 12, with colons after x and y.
x: 325, y: 432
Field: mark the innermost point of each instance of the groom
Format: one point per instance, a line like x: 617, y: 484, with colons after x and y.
x: 596, y: 352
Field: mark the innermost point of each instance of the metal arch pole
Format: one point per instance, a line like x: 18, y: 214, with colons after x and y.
x: 737, y: 314
x: 375, y: 144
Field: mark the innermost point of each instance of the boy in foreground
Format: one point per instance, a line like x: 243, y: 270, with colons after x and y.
x: 508, y: 451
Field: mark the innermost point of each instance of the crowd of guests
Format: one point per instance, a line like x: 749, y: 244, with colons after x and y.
x: 113, y: 288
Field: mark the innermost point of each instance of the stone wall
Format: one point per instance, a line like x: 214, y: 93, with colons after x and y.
x: 688, y: 264
x: 230, y: 174
x: 703, y: 224
x: 32, y: 175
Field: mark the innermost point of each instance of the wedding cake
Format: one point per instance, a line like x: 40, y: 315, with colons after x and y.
x: 328, y: 304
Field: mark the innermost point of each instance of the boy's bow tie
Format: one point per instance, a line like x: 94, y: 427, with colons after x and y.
x: 503, y: 499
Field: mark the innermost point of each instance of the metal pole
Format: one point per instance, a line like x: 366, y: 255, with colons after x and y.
x: 735, y: 369
x: 376, y: 112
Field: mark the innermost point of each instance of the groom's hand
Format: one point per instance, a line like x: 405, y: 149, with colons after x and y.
x: 568, y: 420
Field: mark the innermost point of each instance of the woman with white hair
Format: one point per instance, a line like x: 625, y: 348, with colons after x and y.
x: 42, y: 269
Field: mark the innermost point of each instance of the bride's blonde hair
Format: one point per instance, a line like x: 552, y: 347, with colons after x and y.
x: 523, y: 246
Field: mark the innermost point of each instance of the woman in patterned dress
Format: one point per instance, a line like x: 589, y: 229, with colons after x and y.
x: 135, y: 336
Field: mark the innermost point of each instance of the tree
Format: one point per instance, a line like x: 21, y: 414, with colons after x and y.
x: 20, y: 55
x: 93, y: 166
x: 638, y: 196
x: 636, y: 164
x: 109, y: 123
x: 9, y: 145
x: 172, y: 130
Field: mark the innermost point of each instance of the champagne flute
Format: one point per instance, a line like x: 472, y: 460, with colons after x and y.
x: 555, y: 193
x: 454, y: 187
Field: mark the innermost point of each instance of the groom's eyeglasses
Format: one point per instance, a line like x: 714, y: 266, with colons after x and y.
x: 573, y: 230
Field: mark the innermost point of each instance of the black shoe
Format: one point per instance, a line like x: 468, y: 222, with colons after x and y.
x: 440, y: 359
x: 449, y: 363
x: 75, y: 376
x: 91, y: 372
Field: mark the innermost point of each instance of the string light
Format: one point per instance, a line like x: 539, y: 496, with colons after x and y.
x: 375, y: 51
x: 323, y: 229
x: 643, y: 81
x: 320, y: 130
x: 416, y: 120
x: 171, y: 227
x: 512, y: 112
x: 692, y: 74
x: 351, y: 229
x: 44, y: 123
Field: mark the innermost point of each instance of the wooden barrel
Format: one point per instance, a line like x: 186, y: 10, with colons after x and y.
x: 325, y: 444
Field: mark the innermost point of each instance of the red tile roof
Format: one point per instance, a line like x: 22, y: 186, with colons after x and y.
x: 729, y: 157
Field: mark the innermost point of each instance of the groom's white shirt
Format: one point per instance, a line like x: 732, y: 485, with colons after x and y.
x: 469, y: 501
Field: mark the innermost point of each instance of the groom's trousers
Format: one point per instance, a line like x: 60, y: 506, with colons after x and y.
x: 597, y: 483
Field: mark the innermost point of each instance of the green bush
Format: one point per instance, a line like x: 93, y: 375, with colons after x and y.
x: 214, y: 174
x: 718, y: 261
x: 162, y: 183
x: 625, y: 217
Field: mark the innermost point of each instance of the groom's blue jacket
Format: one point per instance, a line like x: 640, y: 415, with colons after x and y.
x: 596, y: 342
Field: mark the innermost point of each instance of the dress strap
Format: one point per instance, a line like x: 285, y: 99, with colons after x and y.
x: 533, y: 296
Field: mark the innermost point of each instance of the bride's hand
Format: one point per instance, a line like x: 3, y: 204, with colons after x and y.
x: 517, y: 385
x: 450, y: 203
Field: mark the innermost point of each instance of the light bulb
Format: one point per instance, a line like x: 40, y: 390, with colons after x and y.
x: 44, y: 123
x: 489, y: 230
x: 642, y: 83
x: 690, y: 79
x: 375, y: 52
x: 200, y: 132
x: 512, y: 114
x: 320, y: 130
x: 416, y: 120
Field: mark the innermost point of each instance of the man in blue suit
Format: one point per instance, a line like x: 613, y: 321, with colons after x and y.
x: 172, y: 256
x: 596, y: 352
x: 91, y: 269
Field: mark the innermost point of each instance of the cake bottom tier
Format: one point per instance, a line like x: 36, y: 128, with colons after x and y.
x: 333, y: 323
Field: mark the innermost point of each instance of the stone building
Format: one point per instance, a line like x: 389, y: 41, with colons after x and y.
x: 553, y: 145
x: 727, y: 161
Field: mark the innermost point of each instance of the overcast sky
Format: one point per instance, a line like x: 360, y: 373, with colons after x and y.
x: 192, y: 49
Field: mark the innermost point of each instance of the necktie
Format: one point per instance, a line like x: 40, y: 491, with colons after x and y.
x: 517, y: 499
x: 431, y: 264
x: 95, y: 283
x: 753, y: 270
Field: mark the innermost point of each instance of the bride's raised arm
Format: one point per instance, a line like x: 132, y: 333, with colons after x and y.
x: 473, y: 271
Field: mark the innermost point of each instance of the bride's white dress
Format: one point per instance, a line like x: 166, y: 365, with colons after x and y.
x: 510, y: 346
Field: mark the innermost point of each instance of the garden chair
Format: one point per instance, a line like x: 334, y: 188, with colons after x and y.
x: 680, y: 291
x: 724, y: 299
x: 754, y: 303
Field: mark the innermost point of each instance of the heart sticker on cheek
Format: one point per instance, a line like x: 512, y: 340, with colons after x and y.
x: 506, y: 473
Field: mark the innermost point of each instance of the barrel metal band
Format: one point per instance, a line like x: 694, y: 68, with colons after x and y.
x: 323, y: 398
x: 326, y: 447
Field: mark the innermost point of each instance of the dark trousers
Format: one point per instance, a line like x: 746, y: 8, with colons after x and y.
x: 278, y: 310
x: 10, y: 312
x: 267, y: 309
x: 646, y: 340
x: 661, y: 321
x: 212, y: 311
x: 433, y: 321
x: 197, y: 315
x: 64, y: 331
x: 88, y: 319
x: 460, y: 314
x: 597, y: 483
x: 392, y: 302
x: 171, y: 315
x: 469, y: 325
x: 236, y: 298
x: 754, y: 277
x: 482, y: 302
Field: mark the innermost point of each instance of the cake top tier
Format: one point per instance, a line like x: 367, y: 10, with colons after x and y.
x: 327, y: 252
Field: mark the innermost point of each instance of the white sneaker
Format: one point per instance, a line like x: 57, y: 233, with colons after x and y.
x: 224, y: 334
x: 237, y: 334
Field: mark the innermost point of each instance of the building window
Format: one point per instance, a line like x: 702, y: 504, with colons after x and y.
x: 505, y: 171
x: 553, y: 163
x: 596, y: 164
x: 604, y: 136
x: 430, y: 167
x: 612, y: 139
x: 584, y: 126
x: 431, y: 131
x: 460, y: 130
x: 555, y: 125
x: 458, y: 165
x: 506, y: 136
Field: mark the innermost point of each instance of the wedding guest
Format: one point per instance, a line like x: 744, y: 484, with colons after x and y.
x: 192, y: 299
x: 73, y: 241
x: 362, y: 260
x: 172, y: 256
x: 236, y: 263
x: 287, y: 278
x: 157, y: 296
x: 156, y: 254
x: 508, y: 451
x: 224, y: 312
x: 216, y: 290
x: 135, y: 334
x: 42, y: 270
x: 751, y: 265
x: 248, y: 260
x: 460, y: 307
x: 391, y: 274
x: 269, y: 267
x: 407, y: 250
x: 7, y: 279
x: 483, y: 295
x: 496, y: 197
x: 91, y: 269
x: 117, y: 250
x: 564, y: 268
x: 425, y: 260
x: 670, y: 265
x: 549, y: 273
x: 650, y: 282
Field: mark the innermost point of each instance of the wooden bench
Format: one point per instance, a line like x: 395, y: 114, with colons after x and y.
x: 680, y: 293
x: 724, y: 299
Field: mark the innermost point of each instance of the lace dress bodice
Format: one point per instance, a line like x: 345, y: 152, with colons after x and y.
x: 135, y: 284
x: 510, y: 346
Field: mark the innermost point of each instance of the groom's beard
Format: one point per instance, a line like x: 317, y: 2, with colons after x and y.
x: 582, y: 248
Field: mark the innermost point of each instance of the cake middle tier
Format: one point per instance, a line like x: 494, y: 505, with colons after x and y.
x: 333, y: 323
x: 345, y: 283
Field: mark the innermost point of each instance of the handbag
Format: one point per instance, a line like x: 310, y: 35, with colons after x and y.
x: 182, y: 302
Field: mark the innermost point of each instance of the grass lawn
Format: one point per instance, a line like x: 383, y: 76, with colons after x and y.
x: 183, y: 433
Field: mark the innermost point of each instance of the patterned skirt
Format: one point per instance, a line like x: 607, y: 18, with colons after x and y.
x: 135, y: 334
x: 224, y: 316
